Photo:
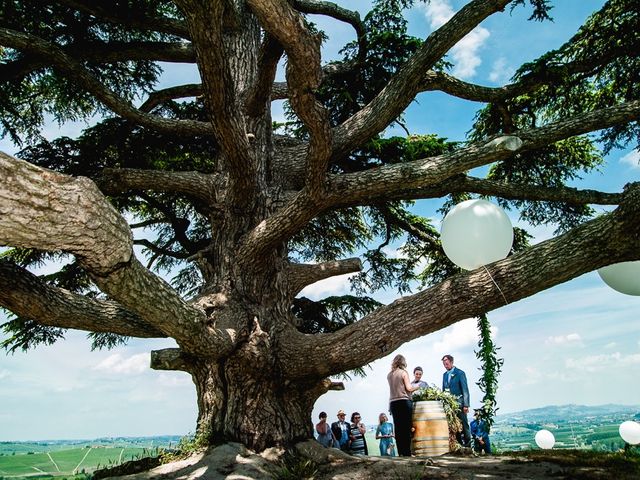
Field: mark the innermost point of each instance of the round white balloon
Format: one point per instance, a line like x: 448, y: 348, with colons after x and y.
x: 475, y: 233
x: 623, y: 277
x: 545, y: 439
x: 630, y: 432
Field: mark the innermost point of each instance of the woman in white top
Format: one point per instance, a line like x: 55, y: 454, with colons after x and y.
x: 400, y: 404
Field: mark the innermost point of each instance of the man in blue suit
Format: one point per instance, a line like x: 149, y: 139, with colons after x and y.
x: 454, y: 381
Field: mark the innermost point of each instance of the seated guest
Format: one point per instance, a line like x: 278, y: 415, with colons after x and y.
x: 480, y: 433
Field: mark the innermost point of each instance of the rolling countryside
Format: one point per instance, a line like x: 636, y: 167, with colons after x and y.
x: 576, y: 427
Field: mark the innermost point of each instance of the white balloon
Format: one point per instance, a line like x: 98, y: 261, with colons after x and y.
x: 545, y: 439
x: 630, y: 432
x: 623, y: 277
x: 475, y: 233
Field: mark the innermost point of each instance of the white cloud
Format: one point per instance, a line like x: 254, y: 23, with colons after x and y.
x: 116, y: 363
x: 564, y: 339
x: 465, y: 53
x: 610, y: 345
x: 329, y: 286
x: 500, y: 72
x: 174, y: 379
x: 4, y: 374
x: 632, y: 158
x: 395, y: 252
x: 531, y: 376
x: 438, y: 12
x: 460, y: 336
x: 596, y: 363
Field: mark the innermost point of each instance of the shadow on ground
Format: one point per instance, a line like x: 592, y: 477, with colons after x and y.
x: 308, y: 459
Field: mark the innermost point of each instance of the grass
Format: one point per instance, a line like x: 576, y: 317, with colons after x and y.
x: 69, y: 461
x: 586, y: 464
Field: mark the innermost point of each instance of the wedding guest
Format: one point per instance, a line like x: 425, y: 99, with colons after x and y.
x: 357, y: 442
x: 480, y: 433
x: 385, y: 434
x: 340, y: 431
x: 325, y: 434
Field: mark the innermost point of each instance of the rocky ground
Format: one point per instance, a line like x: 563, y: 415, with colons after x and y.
x: 309, y: 460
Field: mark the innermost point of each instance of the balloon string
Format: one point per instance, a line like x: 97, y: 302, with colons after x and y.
x: 497, y: 286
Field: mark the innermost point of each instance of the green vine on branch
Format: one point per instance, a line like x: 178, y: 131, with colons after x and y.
x: 491, y: 366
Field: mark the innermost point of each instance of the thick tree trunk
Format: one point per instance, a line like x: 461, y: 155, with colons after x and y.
x: 249, y: 396
x: 245, y: 399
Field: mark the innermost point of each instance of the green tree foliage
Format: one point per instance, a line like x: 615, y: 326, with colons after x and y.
x: 581, y: 81
x: 102, y: 61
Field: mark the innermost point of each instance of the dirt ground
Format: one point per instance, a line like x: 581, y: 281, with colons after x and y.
x: 310, y: 460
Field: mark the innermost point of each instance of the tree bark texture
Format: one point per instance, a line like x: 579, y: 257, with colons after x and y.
x: 257, y: 376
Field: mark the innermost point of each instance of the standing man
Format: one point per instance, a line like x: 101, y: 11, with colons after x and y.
x: 454, y: 381
x: 341, y: 430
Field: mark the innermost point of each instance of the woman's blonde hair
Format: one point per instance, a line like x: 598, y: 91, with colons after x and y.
x: 398, y: 362
x: 382, y: 418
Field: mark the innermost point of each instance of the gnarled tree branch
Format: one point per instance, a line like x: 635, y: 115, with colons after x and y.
x: 608, y: 239
x: 376, y: 184
x: 50, y: 211
x: 105, y: 11
x: 270, y: 53
x: 203, y: 186
x: 171, y: 359
x: 161, y: 96
x: 303, y: 77
x: 101, y: 53
x: 402, y: 88
x: 333, y: 10
x: 80, y: 75
x: 528, y: 83
x: 223, y: 100
x: 29, y: 296
x: 300, y: 275
x: 508, y: 191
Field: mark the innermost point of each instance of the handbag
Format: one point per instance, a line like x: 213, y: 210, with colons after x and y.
x: 391, y: 450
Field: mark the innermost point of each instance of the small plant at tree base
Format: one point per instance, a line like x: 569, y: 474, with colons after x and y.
x: 295, y: 467
x: 188, y: 445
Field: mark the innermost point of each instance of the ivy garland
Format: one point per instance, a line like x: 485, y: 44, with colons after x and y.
x: 491, y: 367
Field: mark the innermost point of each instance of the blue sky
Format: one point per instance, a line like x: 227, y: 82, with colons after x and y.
x: 576, y: 343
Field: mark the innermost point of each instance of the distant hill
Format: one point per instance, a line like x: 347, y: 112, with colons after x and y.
x: 554, y: 413
x: 46, y: 445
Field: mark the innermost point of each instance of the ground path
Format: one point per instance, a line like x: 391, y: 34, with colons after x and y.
x: 75, y: 470
x: 53, y: 461
x: 234, y: 461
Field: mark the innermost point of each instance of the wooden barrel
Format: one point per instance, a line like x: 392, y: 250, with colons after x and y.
x: 431, y: 430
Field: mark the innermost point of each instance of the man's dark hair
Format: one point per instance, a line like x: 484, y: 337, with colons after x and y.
x: 449, y: 357
x: 418, y: 369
